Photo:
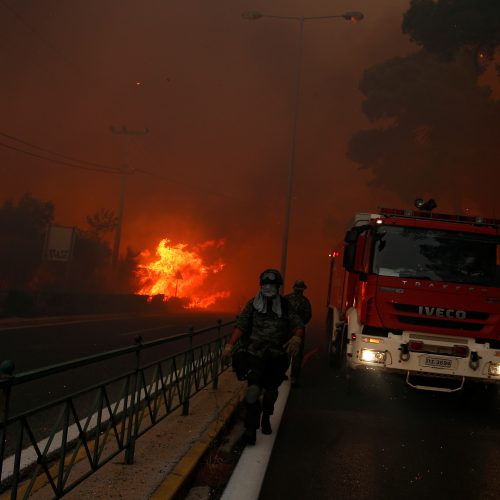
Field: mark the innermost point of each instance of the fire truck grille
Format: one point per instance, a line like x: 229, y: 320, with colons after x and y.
x: 408, y: 314
x: 440, y: 323
x: 409, y: 308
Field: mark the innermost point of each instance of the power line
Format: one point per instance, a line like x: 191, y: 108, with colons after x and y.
x: 100, y: 167
x: 187, y: 185
x: 56, y: 153
x: 59, y: 162
x: 104, y: 168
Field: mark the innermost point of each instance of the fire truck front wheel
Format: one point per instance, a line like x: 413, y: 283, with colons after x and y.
x: 336, y: 347
x: 332, y: 355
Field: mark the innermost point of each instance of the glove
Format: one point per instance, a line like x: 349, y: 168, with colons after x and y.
x: 226, y: 354
x: 293, y: 346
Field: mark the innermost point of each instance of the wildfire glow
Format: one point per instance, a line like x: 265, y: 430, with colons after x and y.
x: 180, y: 272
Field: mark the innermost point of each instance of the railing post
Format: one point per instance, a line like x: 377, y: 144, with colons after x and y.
x: 6, y: 370
x: 188, y: 368
x: 133, y: 424
x: 216, y: 361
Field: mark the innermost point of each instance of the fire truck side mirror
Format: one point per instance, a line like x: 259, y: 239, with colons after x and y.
x: 350, y: 239
x: 349, y: 257
x: 351, y: 236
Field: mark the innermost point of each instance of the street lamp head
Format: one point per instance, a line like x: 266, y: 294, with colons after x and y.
x: 252, y: 15
x: 354, y: 17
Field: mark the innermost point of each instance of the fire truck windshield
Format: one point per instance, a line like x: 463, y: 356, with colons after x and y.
x: 430, y: 254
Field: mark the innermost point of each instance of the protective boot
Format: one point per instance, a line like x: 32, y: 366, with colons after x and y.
x: 252, y: 416
x: 250, y: 435
x: 268, y: 400
x: 265, y: 424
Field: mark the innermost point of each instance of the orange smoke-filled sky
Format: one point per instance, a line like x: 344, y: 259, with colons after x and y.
x: 216, y: 94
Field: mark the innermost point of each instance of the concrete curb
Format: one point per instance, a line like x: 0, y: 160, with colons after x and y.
x: 248, y: 476
x: 180, y: 475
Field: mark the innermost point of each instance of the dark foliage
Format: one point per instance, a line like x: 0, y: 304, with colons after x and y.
x: 445, y: 27
x: 90, y: 268
x: 437, y: 132
x: 23, y: 268
x: 22, y: 229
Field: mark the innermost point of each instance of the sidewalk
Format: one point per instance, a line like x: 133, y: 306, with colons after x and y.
x: 167, y: 454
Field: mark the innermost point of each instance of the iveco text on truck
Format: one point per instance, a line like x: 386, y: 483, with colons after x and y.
x: 418, y: 293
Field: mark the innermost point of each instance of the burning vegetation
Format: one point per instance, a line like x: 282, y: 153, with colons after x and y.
x: 178, y: 271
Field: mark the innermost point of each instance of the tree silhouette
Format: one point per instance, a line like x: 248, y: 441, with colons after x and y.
x: 22, y: 228
x: 446, y: 27
x: 125, y: 279
x: 103, y: 221
x: 91, y: 263
x: 437, y: 130
x: 24, y: 272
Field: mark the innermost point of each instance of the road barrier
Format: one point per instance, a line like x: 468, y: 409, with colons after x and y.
x: 63, y: 442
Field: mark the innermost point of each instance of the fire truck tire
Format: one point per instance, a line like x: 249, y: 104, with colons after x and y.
x: 329, y: 334
x: 331, y: 355
x: 337, y: 349
x: 329, y: 324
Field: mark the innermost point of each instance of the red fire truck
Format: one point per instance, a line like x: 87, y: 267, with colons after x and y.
x: 418, y: 293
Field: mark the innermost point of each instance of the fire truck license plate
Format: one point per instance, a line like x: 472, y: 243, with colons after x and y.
x: 434, y: 362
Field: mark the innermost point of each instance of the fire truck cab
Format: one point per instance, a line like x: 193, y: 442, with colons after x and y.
x: 417, y: 293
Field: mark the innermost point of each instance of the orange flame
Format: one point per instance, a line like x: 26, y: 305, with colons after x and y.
x: 180, y: 272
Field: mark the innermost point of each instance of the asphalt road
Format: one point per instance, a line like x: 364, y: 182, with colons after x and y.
x: 38, y: 345
x: 377, y: 439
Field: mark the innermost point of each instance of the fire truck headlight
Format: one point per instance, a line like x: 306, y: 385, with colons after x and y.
x: 494, y: 369
x: 371, y: 356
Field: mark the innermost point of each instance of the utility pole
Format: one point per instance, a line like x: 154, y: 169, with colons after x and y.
x: 125, y: 170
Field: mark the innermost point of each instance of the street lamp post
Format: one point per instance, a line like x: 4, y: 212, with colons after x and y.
x: 252, y: 16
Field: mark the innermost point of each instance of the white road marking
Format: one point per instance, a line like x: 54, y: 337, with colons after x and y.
x: 246, y: 481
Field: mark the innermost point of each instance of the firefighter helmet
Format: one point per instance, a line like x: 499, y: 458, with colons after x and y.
x: 300, y: 285
x: 270, y: 277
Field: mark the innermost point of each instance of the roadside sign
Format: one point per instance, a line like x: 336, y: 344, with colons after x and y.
x: 59, y: 243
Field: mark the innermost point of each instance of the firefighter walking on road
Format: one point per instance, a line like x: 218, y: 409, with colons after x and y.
x: 302, y: 307
x: 267, y: 334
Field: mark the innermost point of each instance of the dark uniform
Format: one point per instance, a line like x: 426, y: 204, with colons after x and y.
x: 263, y: 328
x: 302, y: 307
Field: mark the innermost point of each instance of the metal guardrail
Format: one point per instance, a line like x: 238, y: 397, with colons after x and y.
x: 95, y: 424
